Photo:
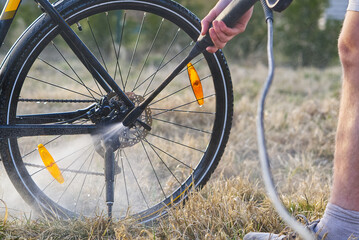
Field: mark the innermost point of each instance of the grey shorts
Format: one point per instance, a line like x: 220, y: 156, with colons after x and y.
x: 353, y: 5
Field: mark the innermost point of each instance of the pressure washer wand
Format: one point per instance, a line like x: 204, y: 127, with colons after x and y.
x: 230, y: 15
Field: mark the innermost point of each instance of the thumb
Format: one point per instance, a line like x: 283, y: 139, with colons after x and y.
x: 205, y: 26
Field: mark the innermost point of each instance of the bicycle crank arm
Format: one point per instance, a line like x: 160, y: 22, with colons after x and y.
x: 230, y: 15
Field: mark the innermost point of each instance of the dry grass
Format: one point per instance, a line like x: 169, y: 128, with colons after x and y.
x: 301, y: 117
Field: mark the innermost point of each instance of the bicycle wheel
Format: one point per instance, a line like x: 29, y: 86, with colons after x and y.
x: 138, y: 43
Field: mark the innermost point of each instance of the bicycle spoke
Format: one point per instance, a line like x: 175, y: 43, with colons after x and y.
x: 182, y: 71
x: 57, y: 86
x: 42, y: 167
x: 182, y: 105
x: 178, y: 91
x: 159, y: 157
x: 164, y: 110
x: 32, y: 151
x: 101, y: 192
x: 148, y: 54
x: 73, y: 70
x: 68, y: 76
x: 58, y: 200
x: 135, y: 49
x: 53, y: 180
x: 161, y: 65
x: 182, y: 126
x: 96, y: 43
x: 133, y: 174
x: 124, y: 180
x: 171, y: 156
x: 154, y: 171
x: 83, y: 182
x: 113, y: 42
x: 118, y: 53
x: 178, y: 143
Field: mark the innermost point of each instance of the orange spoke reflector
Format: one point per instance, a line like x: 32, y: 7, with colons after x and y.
x: 195, y: 83
x: 50, y: 163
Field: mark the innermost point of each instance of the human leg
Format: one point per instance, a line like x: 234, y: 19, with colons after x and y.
x: 345, y: 192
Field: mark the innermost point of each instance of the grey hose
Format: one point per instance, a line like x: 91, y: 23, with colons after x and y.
x: 266, y: 172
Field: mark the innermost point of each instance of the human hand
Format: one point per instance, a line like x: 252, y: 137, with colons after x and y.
x: 219, y: 32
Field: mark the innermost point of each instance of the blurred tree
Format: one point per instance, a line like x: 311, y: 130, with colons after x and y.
x: 300, y: 37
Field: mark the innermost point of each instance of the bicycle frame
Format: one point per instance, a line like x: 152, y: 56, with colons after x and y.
x: 6, y: 17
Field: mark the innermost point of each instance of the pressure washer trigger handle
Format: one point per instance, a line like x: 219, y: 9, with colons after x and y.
x: 230, y: 15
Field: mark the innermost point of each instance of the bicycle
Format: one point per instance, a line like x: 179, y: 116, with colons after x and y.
x: 61, y: 108
x: 111, y: 130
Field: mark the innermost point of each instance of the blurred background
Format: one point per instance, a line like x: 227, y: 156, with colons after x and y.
x: 305, y: 34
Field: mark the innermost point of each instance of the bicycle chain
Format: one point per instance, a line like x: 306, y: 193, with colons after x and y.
x: 56, y: 100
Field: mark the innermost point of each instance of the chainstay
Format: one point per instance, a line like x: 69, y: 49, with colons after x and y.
x: 56, y: 100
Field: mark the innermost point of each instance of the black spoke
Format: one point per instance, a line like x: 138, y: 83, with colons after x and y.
x: 161, y: 65
x: 182, y: 71
x: 178, y: 143
x: 178, y: 91
x: 113, y: 44
x: 164, y: 110
x: 159, y: 157
x: 57, y: 86
x: 133, y: 174
x: 87, y: 158
x: 68, y: 76
x: 58, y: 161
x: 171, y: 156
x: 118, y: 53
x: 97, y: 45
x: 99, y: 196
x: 83, y: 182
x: 124, y: 180
x: 154, y: 171
x: 32, y: 151
x: 183, y: 105
x: 135, y: 49
x: 73, y: 70
x: 182, y: 126
x: 148, y: 53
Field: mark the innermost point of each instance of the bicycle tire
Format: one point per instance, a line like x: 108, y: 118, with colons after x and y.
x: 157, y: 171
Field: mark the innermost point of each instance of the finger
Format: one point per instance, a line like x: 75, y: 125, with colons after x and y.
x: 205, y: 23
x: 212, y: 49
x: 205, y: 26
x: 222, y: 36
x: 215, y: 39
x: 230, y: 32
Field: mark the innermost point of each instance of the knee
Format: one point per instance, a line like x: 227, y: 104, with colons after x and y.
x: 348, y: 53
